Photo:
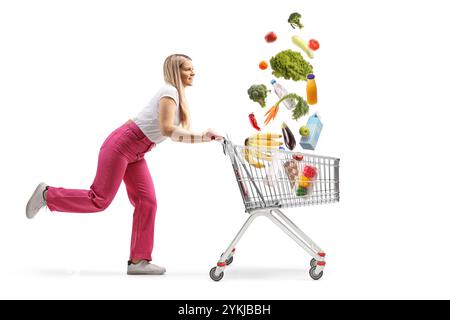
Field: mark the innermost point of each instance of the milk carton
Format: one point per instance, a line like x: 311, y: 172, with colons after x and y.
x: 315, y: 127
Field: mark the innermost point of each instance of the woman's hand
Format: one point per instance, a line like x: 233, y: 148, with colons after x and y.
x: 211, y: 134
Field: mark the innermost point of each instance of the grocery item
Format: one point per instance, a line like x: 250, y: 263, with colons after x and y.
x: 304, y: 131
x: 264, y: 143
x: 294, y: 20
x: 297, y: 157
x: 315, y: 128
x: 259, y: 154
x: 265, y: 136
x: 291, y: 170
x: 251, y: 160
x: 304, y: 182
x: 301, y: 192
x: 271, y: 114
x: 289, y: 139
x: 280, y: 91
x: 252, y: 118
x: 311, y: 90
x: 301, y: 109
x: 309, y: 172
x: 302, y: 45
x: 263, y: 65
x: 270, y: 37
x: 313, y: 44
x: 258, y: 93
x: 290, y: 64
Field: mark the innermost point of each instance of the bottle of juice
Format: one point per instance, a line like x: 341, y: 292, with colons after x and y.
x: 311, y: 90
x: 281, y: 92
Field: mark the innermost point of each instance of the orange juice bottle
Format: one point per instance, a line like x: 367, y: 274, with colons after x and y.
x: 311, y: 90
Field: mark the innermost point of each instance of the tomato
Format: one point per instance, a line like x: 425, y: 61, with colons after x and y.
x: 313, y: 44
x: 263, y: 65
x: 271, y: 37
x: 309, y: 172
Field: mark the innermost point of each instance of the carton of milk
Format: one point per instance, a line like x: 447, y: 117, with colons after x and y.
x: 315, y: 127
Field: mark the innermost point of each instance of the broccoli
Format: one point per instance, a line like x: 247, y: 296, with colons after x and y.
x: 258, y: 93
x: 290, y: 64
x: 294, y: 20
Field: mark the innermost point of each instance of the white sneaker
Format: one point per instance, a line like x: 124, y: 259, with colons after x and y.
x: 144, y: 267
x: 37, y: 201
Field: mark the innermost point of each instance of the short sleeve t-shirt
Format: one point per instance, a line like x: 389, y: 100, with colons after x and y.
x: 148, y: 119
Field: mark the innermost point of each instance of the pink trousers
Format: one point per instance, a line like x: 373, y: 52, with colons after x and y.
x: 121, y: 157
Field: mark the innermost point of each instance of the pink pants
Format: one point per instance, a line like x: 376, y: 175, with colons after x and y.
x: 121, y: 157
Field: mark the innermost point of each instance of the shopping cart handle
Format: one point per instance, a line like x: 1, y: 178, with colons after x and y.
x: 224, y: 143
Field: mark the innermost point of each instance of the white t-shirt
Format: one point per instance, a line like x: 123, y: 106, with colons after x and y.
x: 148, y: 119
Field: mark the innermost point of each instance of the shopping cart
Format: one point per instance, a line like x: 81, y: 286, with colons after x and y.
x: 280, y: 179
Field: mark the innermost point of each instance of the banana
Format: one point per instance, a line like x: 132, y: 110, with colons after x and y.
x: 265, y: 136
x: 267, y: 140
x: 260, y: 155
x: 252, y: 161
x: 264, y: 143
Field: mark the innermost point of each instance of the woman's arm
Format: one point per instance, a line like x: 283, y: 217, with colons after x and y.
x: 167, y: 110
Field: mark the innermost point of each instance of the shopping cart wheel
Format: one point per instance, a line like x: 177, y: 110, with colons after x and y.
x: 313, y: 262
x: 314, y: 275
x: 213, y: 276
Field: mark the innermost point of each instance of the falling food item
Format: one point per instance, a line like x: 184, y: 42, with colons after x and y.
x: 290, y: 65
x: 263, y: 65
x: 294, y: 20
x: 271, y: 114
x: 265, y: 136
x: 258, y: 93
x: 289, y: 139
x: 270, y: 37
x: 315, y: 128
x: 253, y: 122
x: 302, y: 45
x: 313, y: 44
x: 311, y: 89
x: 281, y: 91
x: 304, y: 131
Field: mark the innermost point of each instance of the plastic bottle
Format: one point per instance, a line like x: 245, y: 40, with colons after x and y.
x: 281, y: 92
x: 311, y: 90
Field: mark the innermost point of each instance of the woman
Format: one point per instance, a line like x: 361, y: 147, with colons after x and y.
x: 121, y: 157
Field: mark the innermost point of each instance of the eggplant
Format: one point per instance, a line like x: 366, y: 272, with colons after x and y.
x: 289, y: 139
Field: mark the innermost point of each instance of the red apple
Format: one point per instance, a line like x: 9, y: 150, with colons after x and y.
x: 271, y: 37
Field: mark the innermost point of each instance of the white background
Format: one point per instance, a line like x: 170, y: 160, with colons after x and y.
x: 72, y: 71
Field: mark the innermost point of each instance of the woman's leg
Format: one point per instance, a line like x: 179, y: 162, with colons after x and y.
x: 141, y: 193
x: 110, y: 171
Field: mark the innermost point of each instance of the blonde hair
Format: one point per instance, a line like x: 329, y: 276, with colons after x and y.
x: 172, y: 76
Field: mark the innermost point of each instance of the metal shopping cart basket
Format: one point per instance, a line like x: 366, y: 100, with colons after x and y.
x: 272, y: 179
